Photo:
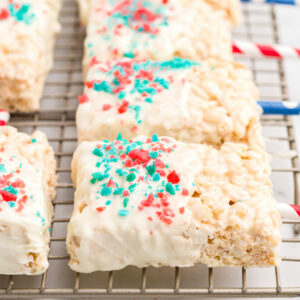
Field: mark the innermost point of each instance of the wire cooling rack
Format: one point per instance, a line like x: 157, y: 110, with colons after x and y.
x: 57, y: 118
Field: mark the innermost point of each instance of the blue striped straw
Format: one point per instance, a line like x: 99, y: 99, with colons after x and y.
x: 280, y: 108
x: 287, y: 2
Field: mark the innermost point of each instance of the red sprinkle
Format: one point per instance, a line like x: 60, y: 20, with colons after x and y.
x: 181, y: 210
x: 173, y: 178
x: 149, y: 201
x: 94, y: 61
x: 111, y: 184
x: 123, y: 107
x: 185, y: 192
x: 106, y: 107
x: 7, y: 196
x: 83, y: 99
x: 140, y: 155
x: 89, y: 84
x: 18, y: 184
x: 159, y: 163
x: 101, y: 209
x: 4, y: 14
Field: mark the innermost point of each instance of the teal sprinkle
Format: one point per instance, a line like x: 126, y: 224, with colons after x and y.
x: 170, y: 189
x: 120, y: 172
x: 108, y: 202
x: 97, y: 177
x: 132, y: 187
x: 22, y: 13
x: 155, y: 138
x: 141, y: 85
x: 164, y: 83
x: 125, y: 202
x: 156, y: 177
x: 33, y: 141
x: 49, y: 229
x: 153, y: 154
x: 103, y: 86
x: 178, y: 63
x: 118, y: 191
x: 119, y: 137
x: 98, y: 152
x: 149, y: 100
x: 98, y: 164
x: 11, y: 204
x: 11, y: 190
x: 42, y: 219
x: 123, y: 212
x: 116, y: 82
x: 2, y: 168
x: 106, y: 191
x: 129, y: 54
x: 151, y: 169
x: 122, y: 95
x: 112, y: 160
x: 131, y: 177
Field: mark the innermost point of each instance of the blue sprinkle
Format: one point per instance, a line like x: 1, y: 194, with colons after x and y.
x: 156, y: 177
x: 123, y: 212
x: 12, y: 204
x: 155, y: 138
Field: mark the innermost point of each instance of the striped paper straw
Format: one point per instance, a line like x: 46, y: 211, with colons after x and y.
x: 288, y: 2
x: 4, y: 117
x: 285, y: 108
x: 289, y: 211
x: 265, y: 50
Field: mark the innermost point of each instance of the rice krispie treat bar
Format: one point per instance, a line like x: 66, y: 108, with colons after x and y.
x: 156, y: 29
x: 232, y: 8
x: 158, y: 202
x: 192, y: 102
x: 28, y: 29
x: 27, y: 186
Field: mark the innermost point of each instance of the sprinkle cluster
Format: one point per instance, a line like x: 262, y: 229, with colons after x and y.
x: 13, y: 193
x: 142, y: 171
x: 19, y: 12
x: 141, y: 16
x: 12, y: 189
x: 134, y: 83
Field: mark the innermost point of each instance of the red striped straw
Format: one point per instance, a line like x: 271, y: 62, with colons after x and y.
x: 4, y: 117
x: 289, y: 211
x: 265, y: 50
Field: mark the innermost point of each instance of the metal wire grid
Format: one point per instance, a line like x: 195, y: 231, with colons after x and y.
x: 57, y: 118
